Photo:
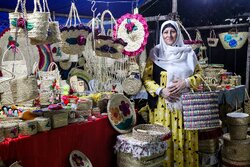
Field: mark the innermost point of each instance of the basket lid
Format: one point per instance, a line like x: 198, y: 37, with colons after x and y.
x: 121, y: 113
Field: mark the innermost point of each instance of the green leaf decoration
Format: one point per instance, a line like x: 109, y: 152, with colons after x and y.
x: 30, y: 26
x: 14, y: 22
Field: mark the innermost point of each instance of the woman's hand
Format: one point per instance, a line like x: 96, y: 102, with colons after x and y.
x: 177, y: 87
x: 165, y: 93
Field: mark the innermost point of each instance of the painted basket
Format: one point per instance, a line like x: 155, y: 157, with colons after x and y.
x: 11, y: 130
x: 151, y: 132
x: 78, y: 159
x: 28, y: 128
x: 121, y: 113
x: 43, y: 124
x: 58, y: 118
x: 233, y: 40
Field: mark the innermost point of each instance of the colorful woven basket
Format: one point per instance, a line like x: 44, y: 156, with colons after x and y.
x: 212, y: 41
x: 233, y: 39
x: 200, y: 110
x: 10, y: 130
x: 121, y: 113
x: 133, y: 29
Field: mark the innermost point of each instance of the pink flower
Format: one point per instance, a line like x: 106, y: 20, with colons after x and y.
x: 130, y: 26
x: 21, y: 22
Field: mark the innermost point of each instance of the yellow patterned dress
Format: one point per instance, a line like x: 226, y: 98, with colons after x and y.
x: 183, y: 145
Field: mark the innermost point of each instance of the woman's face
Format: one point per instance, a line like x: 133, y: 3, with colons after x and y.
x: 169, y: 35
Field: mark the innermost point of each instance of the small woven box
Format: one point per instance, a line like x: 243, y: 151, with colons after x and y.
x: 58, y: 118
x: 10, y: 130
x: 83, y: 113
x: 151, y: 132
x: 84, y: 104
x: 28, y: 127
x: 43, y: 124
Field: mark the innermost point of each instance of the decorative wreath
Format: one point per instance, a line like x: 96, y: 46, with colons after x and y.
x: 133, y: 29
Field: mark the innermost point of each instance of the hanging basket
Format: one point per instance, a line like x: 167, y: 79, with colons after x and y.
x: 40, y: 21
x: 212, y: 41
x: 74, y: 36
x: 105, y: 44
x: 133, y: 29
x: 233, y: 39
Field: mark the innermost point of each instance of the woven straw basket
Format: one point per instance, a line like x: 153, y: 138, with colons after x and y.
x: 77, y: 157
x: 131, y: 85
x: 150, y: 132
x: 40, y: 20
x: 233, y: 40
x: 127, y: 160
x: 6, y: 94
x: 58, y: 118
x: 13, y: 19
x: 16, y: 164
x: 28, y: 127
x: 212, y: 41
x: 43, y: 124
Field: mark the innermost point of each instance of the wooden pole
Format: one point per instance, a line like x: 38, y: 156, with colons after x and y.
x: 248, y: 61
x: 218, y: 26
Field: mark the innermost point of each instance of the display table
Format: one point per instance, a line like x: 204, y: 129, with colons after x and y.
x: 51, y: 149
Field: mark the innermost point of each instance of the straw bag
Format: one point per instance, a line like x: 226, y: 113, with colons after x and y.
x: 106, y: 45
x: 17, y: 66
x: 18, y: 20
x: 200, y: 110
x: 5, y: 91
x: 54, y: 34
x: 212, y: 41
x: 233, y: 39
x: 74, y: 36
x: 40, y: 20
x: 24, y: 88
x: 57, y: 53
x: 133, y: 29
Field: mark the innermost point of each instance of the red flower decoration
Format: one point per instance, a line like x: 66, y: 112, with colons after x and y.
x: 78, y: 160
x: 21, y: 22
x: 124, y: 107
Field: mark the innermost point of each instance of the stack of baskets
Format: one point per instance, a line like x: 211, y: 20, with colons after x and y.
x: 144, y: 147
x: 236, y: 146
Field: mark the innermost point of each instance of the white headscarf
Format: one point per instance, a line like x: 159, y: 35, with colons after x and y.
x: 178, y: 60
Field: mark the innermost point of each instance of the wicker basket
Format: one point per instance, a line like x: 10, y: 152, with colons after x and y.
x: 229, y: 163
x: 151, y: 132
x: 43, y: 124
x: 58, y: 118
x: 131, y: 85
x: 238, y: 123
x: 212, y: 41
x: 16, y: 164
x: 10, y: 130
x: 236, y: 150
x: 127, y: 160
x: 84, y: 104
x: 28, y: 127
x: 83, y: 113
x: 233, y: 40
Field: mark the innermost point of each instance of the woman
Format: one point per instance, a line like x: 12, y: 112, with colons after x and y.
x: 172, y: 69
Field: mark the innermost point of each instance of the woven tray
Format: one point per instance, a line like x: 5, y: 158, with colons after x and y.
x: 151, y: 132
x: 28, y: 127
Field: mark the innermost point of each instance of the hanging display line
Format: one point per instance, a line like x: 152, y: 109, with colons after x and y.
x: 114, y: 1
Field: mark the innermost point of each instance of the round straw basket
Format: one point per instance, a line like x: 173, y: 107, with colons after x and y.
x: 10, y: 130
x: 238, y: 123
x: 43, y: 124
x: 131, y: 85
x: 150, y: 132
x: 28, y: 127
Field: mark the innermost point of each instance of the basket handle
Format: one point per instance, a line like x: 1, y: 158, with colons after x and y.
x: 184, y: 30
x: 22, y: 4
x: 15, y: 50
x: 212, y: 34
x: 73, y: 13
x: 198, y: 35
x: 50, y: 68
x: 37, y: 3
x: 46, y: 7
x: 247, y: 95
x: 205, y: 84
x: 102, y: 20
x: 12, y: 75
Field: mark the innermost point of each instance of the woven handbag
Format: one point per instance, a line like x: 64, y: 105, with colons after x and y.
x: 212, y: 41
x: 18, y: 20
x: 200, y: 110
x: 74, y: 36
x: 105, y: 44
x: 54, y: 34
x: 24, y: 88
x: 233, y: 39
x: 18, y: 65
x: 40, y: 21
